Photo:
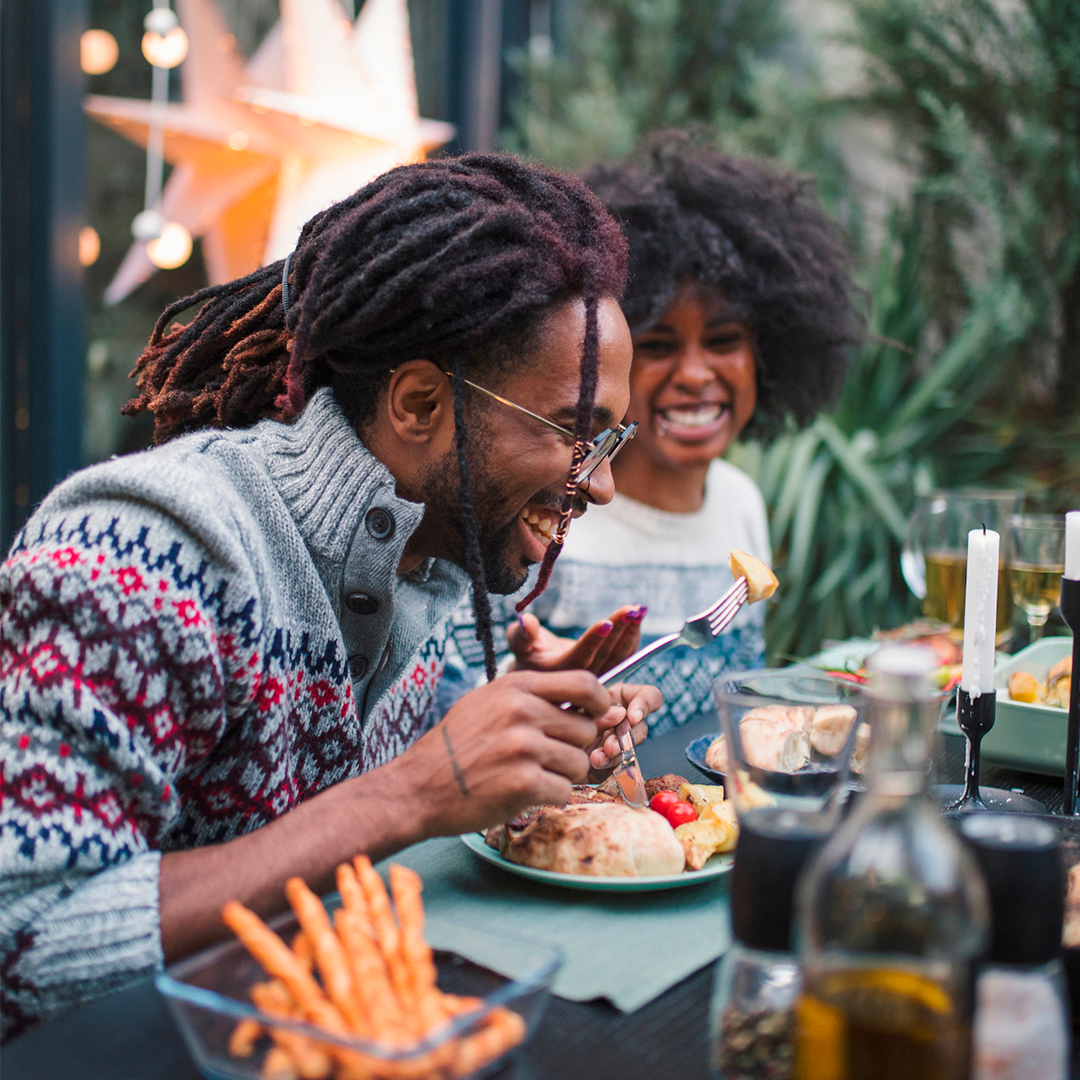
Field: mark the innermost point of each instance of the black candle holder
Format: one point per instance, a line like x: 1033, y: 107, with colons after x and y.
x: 1070, y: 610
x: 974, y: 717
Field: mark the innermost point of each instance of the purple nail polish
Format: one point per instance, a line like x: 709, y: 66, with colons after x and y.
x: 636, y: 614
x: 605, y: 628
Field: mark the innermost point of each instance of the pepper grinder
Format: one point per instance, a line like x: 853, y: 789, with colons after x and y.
x: 757, y: 983
x: 1022, y: 1019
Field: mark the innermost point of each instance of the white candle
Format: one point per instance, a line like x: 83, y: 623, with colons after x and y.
x: 980, y: 612
x: 1072, y: 545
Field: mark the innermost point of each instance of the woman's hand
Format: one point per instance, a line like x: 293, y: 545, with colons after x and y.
x: 630, y: 704
x: 600, y: 648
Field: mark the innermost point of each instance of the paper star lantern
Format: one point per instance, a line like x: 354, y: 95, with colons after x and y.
x: 257, y: 148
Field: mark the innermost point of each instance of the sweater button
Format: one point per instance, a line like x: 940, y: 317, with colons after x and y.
x: 361, y: 604
x: 358, y: 665
x: 380, y: 523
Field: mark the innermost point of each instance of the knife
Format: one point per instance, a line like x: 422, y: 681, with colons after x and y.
x: 627, y: 773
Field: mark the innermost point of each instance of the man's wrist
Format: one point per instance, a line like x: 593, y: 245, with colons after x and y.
x: 392, y: 797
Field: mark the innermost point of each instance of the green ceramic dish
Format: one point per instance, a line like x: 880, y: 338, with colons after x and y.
x: 1028, y: 736
x: 716, y: 867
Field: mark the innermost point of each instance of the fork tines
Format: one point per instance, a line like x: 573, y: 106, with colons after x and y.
x: 727, y: 606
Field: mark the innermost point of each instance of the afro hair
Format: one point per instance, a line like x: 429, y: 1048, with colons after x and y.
x: 762, y: 239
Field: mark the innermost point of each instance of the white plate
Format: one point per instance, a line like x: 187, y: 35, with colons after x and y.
x: 717, y: 866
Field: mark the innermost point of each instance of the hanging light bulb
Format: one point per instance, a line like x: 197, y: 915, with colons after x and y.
x: 164, y: 44
x: 172, y: 248
x: 98, y: 52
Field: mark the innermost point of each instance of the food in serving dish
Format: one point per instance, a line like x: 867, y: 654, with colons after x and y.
x: 761, y: 582
x: 368, y: 975
x: 1053, y: 690
x: 780, y: 738
x: 596, y: 834
x: 847, y: 660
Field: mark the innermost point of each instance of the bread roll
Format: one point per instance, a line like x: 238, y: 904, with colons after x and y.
x: 830, y: 728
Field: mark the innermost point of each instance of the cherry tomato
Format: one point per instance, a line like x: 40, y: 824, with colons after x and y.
x: 662, y: 800
x: 680, y: 813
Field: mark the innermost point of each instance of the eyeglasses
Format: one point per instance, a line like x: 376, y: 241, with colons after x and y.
x: 604, y: 447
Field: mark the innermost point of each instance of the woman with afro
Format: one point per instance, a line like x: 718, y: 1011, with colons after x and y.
x: 739, y: 302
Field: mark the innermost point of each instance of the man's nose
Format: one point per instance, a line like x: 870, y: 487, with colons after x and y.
x: 599, y: 486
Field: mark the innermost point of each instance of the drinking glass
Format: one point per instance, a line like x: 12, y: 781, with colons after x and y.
x: 1036, y: 564
x: 789, y: 739
x: 934, y: 554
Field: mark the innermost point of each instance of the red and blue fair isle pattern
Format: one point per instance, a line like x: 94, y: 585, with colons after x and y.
x: 146, y: 702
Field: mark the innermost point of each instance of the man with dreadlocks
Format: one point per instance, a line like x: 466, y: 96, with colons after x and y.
x: 209, y: 677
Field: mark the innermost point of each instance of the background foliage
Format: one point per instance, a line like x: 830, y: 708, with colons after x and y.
x: 971, y: 372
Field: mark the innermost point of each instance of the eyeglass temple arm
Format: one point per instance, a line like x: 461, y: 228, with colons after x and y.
x: 513, y: 405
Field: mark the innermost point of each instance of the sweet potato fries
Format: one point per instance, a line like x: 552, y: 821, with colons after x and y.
x: 368, y: 975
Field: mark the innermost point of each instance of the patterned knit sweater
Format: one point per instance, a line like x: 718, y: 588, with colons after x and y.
x: 193, y: 640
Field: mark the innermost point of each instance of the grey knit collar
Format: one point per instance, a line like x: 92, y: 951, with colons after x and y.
x: 327, y: 478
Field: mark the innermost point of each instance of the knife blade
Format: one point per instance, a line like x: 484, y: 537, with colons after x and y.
x: 627, y: 774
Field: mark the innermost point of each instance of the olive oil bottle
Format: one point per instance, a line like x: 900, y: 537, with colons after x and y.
x: 892, y: 912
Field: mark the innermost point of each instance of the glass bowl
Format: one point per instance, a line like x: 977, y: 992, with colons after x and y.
x: 208, y: 994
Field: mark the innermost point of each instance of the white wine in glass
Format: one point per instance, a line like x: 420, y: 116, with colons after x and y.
x: 1038, y: 561
x: 934, y: 554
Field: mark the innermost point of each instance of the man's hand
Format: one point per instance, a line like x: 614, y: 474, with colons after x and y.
x: 601, y: 647
x: 506, y: 746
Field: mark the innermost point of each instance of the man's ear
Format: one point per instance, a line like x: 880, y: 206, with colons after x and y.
x: 419, y: 402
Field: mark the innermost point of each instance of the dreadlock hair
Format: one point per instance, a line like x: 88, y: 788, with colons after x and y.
x: 456, y: 260
x: 761, y: 239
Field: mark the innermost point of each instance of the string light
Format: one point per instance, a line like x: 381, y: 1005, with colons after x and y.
x: 164, y: 44
x: 168, y: 243
x: 172, y: 248
x: 98, y: 52
x: 89, y: 245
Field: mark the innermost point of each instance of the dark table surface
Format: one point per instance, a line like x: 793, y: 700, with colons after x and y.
x: 130, y: 1035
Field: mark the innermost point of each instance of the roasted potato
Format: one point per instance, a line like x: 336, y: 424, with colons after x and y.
x: 700, y: 795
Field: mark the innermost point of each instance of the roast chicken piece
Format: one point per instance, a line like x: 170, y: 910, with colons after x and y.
x: 600, y: 839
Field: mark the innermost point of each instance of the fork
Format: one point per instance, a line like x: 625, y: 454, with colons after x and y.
x: 696, y: 632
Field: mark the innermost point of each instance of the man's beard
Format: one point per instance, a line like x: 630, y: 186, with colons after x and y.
x: 444, y: 511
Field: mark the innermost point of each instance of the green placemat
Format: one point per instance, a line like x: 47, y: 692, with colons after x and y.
x: 626, y: 947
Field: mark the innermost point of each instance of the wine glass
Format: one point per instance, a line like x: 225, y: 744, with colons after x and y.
x: 1036, y: 565
x: 934, y: 554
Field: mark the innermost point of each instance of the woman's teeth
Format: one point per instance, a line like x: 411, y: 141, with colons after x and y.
x: 693, y: 416
x: 543, y: 527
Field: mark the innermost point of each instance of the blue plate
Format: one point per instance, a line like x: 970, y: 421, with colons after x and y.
x: 695, y: 754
